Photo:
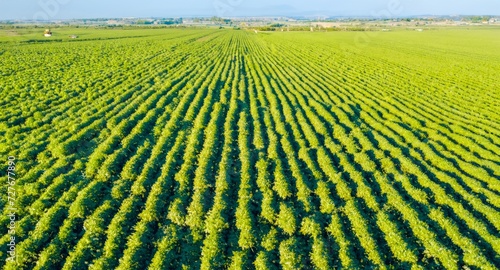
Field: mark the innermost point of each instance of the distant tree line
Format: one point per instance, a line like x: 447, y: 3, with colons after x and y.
x: 282, y: 27
x: 161, y: 21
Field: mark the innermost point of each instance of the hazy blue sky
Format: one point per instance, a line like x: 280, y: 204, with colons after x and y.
x: 66, y: 9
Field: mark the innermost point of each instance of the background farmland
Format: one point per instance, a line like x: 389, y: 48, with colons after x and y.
x: 181, y: 149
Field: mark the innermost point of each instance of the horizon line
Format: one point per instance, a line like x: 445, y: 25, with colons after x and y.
x: 253, y: 16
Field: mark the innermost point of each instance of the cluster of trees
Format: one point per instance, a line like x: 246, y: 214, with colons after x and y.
x: 282, y: 27
x: 213, y: 19
x: 476, y: 19
x: 160, y: 21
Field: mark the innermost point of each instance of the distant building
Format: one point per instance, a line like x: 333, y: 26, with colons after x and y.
x: 47, y: 33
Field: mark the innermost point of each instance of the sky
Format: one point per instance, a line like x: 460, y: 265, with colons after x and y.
x: 74, y: 9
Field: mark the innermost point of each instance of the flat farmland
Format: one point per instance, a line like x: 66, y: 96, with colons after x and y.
x: 215, y: 149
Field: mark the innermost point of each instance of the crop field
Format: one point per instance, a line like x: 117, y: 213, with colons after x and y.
x: 216, y: 149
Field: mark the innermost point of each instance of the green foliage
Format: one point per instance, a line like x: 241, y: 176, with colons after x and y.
x: 290, y: 254
x: 287, y: 220
x: 199, y: 148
